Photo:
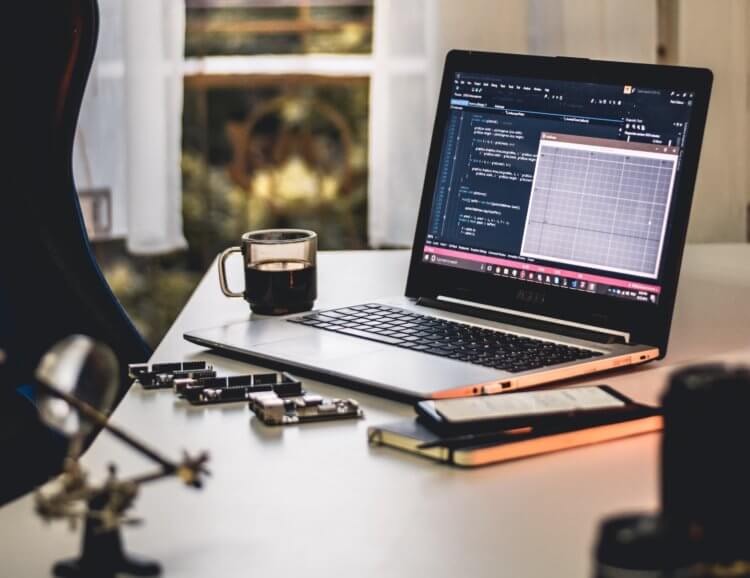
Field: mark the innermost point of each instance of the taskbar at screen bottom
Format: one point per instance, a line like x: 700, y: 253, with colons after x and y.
x: 533, y: 273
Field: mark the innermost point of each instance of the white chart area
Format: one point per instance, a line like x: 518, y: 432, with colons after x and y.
x: 599, y: 206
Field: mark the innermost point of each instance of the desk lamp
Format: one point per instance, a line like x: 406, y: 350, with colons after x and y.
x: 78, y: 380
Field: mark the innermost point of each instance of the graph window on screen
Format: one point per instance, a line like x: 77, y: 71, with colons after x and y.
x: 600, y: 203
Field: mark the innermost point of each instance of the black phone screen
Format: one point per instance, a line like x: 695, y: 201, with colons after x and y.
x: 527, y: 404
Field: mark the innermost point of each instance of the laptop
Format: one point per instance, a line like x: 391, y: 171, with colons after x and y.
x: 548, y: 242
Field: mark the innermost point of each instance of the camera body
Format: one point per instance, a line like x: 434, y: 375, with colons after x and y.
x: 704, y: 486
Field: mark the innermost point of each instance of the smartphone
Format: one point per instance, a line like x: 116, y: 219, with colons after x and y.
x: 546, y: 409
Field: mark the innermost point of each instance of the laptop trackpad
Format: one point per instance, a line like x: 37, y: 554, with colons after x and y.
x: 317, y: 346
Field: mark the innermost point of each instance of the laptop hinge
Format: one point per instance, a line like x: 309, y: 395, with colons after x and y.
x: 527, y: 320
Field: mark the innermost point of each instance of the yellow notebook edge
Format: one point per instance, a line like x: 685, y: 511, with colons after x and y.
x: 479, y: 456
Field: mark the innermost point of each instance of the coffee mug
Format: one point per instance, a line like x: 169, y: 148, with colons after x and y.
x: 280, y: 272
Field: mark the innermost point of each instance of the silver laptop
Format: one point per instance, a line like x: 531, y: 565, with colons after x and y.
x: 548, y: 242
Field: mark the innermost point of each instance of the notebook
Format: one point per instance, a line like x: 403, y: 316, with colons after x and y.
x: 410, y: 435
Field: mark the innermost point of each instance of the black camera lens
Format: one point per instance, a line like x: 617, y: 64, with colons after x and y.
x: 630, y: 546
x: 705, y: 482
x: 705, y: 486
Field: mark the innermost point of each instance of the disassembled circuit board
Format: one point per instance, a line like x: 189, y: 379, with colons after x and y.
x: 204, y: 391
x: 276, y: 398
x: 163, y: 375
x: 273, y: 409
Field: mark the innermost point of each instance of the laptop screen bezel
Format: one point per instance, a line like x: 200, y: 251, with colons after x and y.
x: 647, y: 323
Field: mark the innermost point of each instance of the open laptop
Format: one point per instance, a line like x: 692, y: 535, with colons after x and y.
x: 548, y: 242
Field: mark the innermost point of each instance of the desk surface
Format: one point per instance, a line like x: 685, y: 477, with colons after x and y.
x: 315, y: 500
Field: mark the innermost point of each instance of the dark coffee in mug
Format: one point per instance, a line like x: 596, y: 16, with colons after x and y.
x: 280, y: 287
x: 280, y: 273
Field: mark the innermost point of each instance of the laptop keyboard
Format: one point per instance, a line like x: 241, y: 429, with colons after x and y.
x: 478, y: 345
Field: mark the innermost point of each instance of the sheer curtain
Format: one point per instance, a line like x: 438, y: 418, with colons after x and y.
x: 129, y: 135
x: 411, y: 40
x: 605, y: 29
x: 715, y: 35
x: 401, y: 110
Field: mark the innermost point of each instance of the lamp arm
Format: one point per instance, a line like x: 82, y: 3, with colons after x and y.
x: 101, y: 420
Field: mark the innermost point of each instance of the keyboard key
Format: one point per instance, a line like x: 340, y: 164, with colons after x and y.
x: 334, y: 314
x: 370, y: 336
x: 437, y: 350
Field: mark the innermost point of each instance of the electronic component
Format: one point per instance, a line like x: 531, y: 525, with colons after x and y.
x: 256, y: 379
x: 166, y: 380
x: 275, y: 410
x: 276, y: 398
x: 163, y: 375
x: 237, y: 388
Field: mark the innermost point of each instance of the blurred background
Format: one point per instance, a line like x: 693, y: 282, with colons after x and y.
x: 204, y: 119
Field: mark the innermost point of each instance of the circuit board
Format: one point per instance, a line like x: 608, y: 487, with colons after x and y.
x: 276, y: 398
x: 273, y: 409
x: 163, y: 375
x: 206, y: 391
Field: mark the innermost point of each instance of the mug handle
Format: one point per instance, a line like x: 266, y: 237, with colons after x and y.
x: 223, y: 272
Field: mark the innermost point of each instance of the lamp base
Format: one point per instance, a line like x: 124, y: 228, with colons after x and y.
x: 102, y: 556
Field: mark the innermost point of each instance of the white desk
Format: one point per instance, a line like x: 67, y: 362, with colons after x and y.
x: 316, y: 501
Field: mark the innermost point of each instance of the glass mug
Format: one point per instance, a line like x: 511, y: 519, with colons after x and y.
x: 280, y: 272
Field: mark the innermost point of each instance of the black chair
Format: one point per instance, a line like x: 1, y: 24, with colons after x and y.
x: 50, y: 284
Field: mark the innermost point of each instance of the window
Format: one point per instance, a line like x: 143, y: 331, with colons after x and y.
x: 274, y: 134
x: 275, y: 131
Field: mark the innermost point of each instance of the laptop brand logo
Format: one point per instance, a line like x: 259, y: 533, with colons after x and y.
x: 528, y: 296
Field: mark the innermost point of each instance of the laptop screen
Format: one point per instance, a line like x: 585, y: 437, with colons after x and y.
x: 562, y: 183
